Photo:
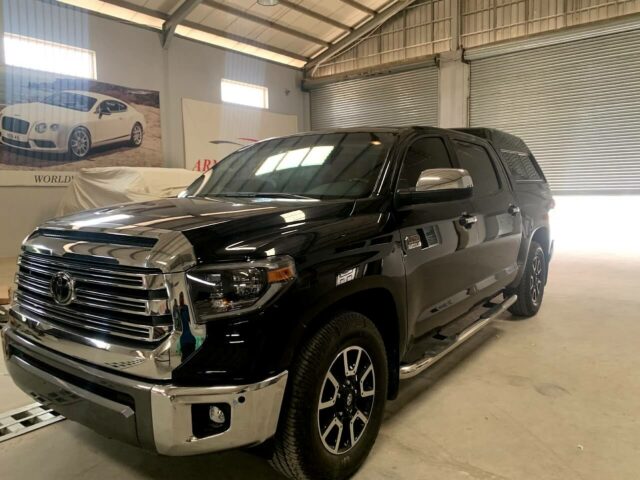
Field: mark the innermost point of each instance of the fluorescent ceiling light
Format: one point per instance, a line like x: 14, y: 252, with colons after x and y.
x: 132, y: 16
x: 304, y: 157
x: 293, y: 158
x: 118, y: 12
x: 317, y: 156
x: 295, y: 216
x: 270, y: 164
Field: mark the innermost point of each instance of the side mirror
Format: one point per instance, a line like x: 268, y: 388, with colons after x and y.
x: 439, y: 185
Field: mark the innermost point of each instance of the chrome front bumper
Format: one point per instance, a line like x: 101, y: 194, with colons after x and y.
x: 157, y: 417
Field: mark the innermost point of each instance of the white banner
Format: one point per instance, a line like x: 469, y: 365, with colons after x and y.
x: 213, y: 131
x: 32, y: 178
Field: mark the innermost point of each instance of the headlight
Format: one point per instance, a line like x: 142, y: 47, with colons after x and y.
x: 41, y: 127
x: 232, y: 289
x: 54, y: 127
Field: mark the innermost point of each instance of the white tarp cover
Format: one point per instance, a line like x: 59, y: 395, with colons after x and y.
x: 100, y: 187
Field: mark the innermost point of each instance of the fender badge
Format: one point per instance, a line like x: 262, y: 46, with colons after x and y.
x: 346, y: 276
x: 412, y: 241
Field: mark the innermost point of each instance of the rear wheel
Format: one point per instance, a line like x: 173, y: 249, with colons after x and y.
x: 530, y: 291
x: 136, y: 135
x: 335, y: 401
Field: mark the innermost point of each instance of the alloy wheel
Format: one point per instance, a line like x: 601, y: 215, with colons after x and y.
x: 346, y: 400
x: 536, y: 278
x: 136, y: 134
x: 80, y: 142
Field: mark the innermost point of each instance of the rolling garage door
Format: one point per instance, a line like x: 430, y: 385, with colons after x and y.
x: 399, y: 99
x: 577, y: 105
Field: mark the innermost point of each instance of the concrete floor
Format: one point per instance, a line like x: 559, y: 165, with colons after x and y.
x: 552, y: 397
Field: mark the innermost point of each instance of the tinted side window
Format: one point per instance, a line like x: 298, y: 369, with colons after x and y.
x: 424, y: 154
x: 475, y: 159
x: 114, y: 106
x: 520, y: 165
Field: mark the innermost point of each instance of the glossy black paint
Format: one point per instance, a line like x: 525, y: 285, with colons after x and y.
x: 410, y: 293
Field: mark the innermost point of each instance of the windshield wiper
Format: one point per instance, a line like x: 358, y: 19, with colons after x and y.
x: 262, y: 195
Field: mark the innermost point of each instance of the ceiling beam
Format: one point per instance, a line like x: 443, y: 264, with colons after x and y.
x: 212, y: 31
x: 314, y: 14
x: 245, y: 40
x: 361, y: 7
x: 180, y: 14
x: 358, y: 33
x: 136, y: 8
x: 265, y: 22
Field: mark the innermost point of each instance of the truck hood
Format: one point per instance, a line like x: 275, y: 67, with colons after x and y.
x: 219, y: 227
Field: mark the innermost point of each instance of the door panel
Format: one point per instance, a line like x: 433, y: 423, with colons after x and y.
x: 436, y: 246
x: 499, y: 228
x: 109, y: 127
x: 438, y: 264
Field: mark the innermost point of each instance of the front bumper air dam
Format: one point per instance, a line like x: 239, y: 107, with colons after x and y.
x: 156, y: 417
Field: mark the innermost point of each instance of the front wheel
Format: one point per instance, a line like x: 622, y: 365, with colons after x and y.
x: 335, y: 401
x: 530, y: 290
x: 79, y: 143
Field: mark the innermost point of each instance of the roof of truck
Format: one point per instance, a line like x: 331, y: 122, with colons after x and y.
x: 500, y: 139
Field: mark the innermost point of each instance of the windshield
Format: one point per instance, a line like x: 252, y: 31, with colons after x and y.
x: 336, y: 165
x: 74, y: 101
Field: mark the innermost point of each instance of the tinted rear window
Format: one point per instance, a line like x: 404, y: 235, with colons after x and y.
x: 520, y: 165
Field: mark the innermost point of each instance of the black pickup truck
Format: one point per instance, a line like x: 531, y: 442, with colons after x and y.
x: 284, y: 294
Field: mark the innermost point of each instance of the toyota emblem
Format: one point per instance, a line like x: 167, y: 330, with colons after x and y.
x: 62, y: 288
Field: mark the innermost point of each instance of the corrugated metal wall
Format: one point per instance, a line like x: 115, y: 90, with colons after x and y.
x: 488, y: 21
x: 577, y: 105
x: 408, y: 98
x: 422, y: 29
x: 425, y: 28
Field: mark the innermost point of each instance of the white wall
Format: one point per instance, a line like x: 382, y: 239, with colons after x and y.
x: 132, y: 56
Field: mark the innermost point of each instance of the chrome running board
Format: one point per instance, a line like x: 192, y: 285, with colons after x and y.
x: 413, y: 369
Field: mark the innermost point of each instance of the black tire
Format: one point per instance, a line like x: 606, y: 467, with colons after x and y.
x: 137, y: 135
x: 530, y: 291
x: 299, y: 451
x: 79, y: 144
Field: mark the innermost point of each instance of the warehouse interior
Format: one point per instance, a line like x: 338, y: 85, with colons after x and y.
x: 549, y: 397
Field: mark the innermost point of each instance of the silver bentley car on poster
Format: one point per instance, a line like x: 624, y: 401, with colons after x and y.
x: 71, y: 122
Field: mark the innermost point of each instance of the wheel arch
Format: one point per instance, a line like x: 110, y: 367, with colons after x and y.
x: 75, y: 126
x: 541, y: 235
x: 379, y: 306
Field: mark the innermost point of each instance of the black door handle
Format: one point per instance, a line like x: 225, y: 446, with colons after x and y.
x: 467, y: 221
x: 514, y: 210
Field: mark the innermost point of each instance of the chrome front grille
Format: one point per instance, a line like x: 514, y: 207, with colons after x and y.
x: 16, y: 125
x: 109, y: 300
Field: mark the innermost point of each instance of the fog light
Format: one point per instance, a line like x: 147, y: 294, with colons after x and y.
x: 210, y: 419
x: 217, y: 415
